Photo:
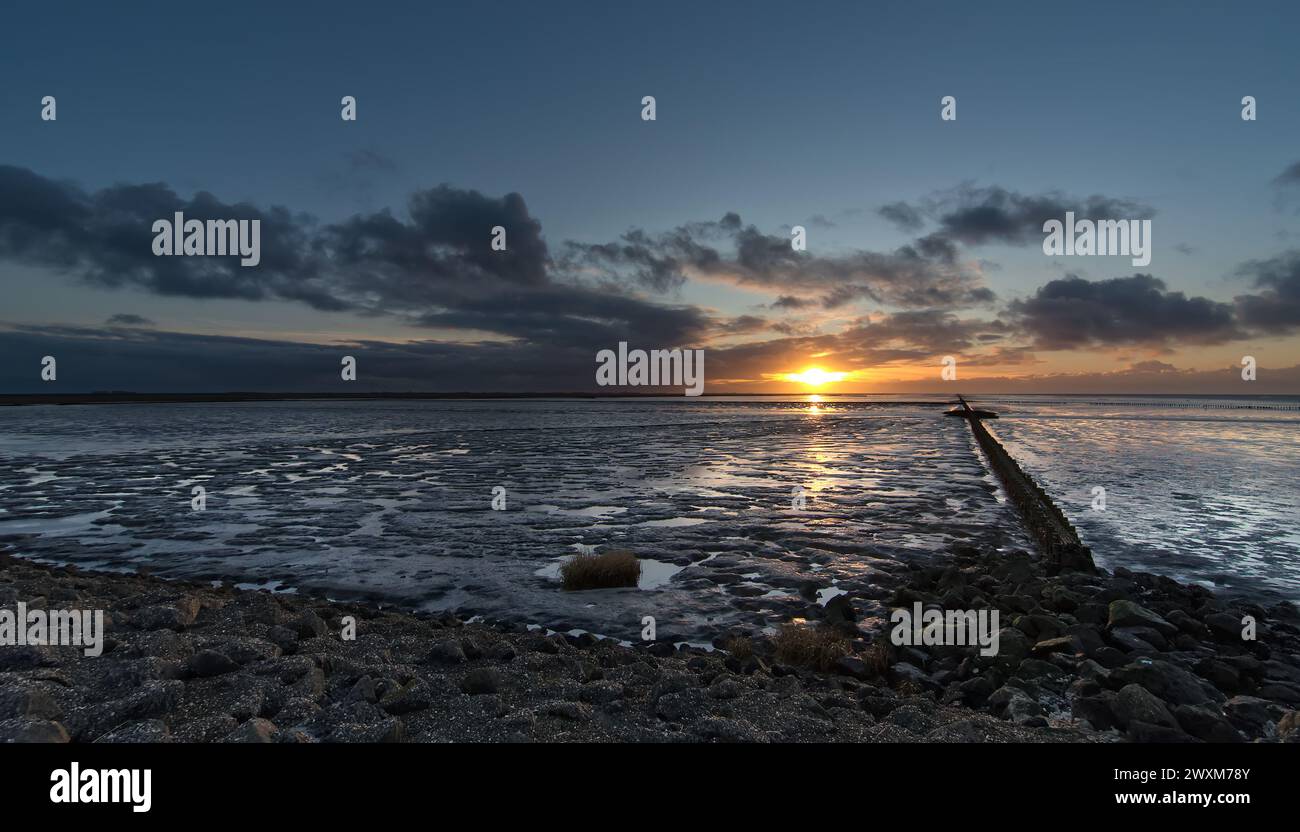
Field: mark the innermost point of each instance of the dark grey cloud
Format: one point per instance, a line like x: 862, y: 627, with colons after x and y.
x: 1289, y: 177
x: 902, y: 215
x: 128, y: 319
x: 1074, y: 313
x: 1276, y: 308
x: 433, y: 266
x: 977, y: 215
x: 924, y: 274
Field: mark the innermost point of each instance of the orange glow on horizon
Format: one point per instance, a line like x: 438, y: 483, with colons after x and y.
x: 815, y: 377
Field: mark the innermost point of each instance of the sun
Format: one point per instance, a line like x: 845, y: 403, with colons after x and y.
x: 815, y: 377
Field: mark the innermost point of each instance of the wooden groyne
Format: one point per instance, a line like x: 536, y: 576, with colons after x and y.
x: 1056, y: 538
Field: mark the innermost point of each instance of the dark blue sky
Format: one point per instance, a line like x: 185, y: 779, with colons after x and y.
x: 780, y: 113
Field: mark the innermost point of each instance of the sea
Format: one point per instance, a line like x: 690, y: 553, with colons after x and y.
x: 745, y: 511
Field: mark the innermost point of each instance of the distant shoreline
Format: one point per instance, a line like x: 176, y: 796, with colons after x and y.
x: 940, y: 398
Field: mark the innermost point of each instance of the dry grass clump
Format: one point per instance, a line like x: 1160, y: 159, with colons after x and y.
x: 878, y: 656
x: 809, y: 646
x: 600, y: 571
x: 741, y: 647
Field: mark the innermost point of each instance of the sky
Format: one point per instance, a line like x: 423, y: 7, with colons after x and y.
x: 923, y: 235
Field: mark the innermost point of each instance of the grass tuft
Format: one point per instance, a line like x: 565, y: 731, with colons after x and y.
x: 607, y: 569
x: 809, y: 646
x: 741, y: 647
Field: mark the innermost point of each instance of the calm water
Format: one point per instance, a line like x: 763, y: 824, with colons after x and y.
x: 392, y: 500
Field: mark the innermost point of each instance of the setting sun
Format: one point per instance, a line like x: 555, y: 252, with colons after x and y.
x: 815, y: 377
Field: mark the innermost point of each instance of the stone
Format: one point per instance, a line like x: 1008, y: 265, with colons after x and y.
x: 30, y: 730
x: 1168, y: 681
x: 309, y: 625
x: 481, y: 680
x: 447, y: 652
x: 254, y: 730
x: 1125, y: 613
x: 207, y: 663
x: 1135, y: 703
x: 1253, y: 715
x: 1206, y: 724
x: 146, y: 731
x: 416, y: 696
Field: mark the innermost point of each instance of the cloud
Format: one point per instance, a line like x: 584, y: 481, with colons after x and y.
x: 431, y: 267
x: 902, y: 215
x: 978, y: 215
x: 128, y: 319
x: 1276, y: 309
x: 924, y: 275
x: 1073, y: 313
x: 1289, y: 177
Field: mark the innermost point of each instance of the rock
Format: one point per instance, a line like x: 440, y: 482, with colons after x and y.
x: 1130, y: 642
x: 975, y: 691
x: 1109, y: 657
x: 1150, y: 635
x: 601, y: 692
x: 1277, y: 671
x: 362, y: 690
x: 911, y: 718
x: 502, y: 652
x: 447, y: 652
x: 1279, y: 692
x: 283, y: 637
x: 176, y: 616
x: 839, y: 612
x: 1288, y: 727
x: 901, y: 672
x: 1225, y: 627
x: 30, y: 730
x: 1206, y: 724
x: 1015, y: 704
x: 254, y: 730
x: 1095, y: 709
x: 1222, y: 675
x: 851, y: 666
x: 27, y: 657
x: 725, y: 687
x: 1061, y: 599
x: 309, y: 625
x: 416, y: 696
x: 144, y: 731
x: 207, y: 663
x: 1135, y: 703
x: 1013, y: 646
x: 481, y: 680
x: 1039, y: 627
x: 1062, y: 644
x: 1167, y: 681
x: 674, y: 706
x: 296, y: 711
x: 728, y: 730
x: 572, y: 711
x: 1255, y: 716
x: 1186, y: 624
x: 32, y: 701
x: 1147, y: 732
x: 1124, y: 613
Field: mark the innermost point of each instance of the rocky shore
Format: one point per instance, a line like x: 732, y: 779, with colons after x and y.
x: 1083, y: 658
